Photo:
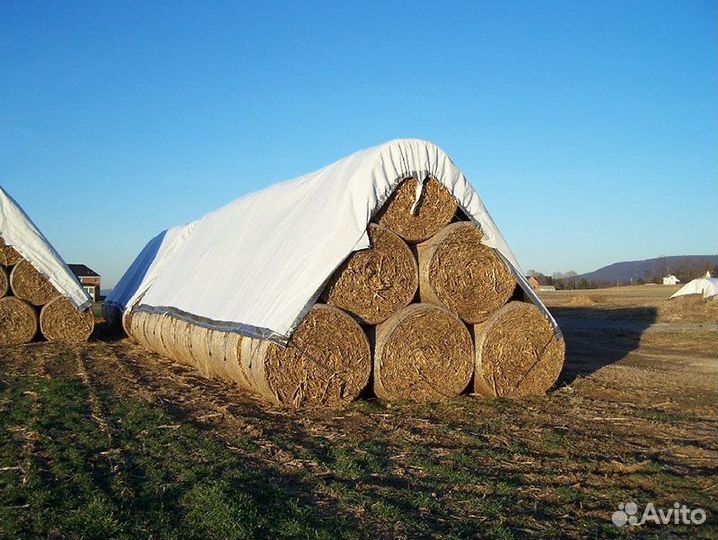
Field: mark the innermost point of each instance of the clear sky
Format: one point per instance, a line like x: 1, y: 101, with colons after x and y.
x: 588, y: 128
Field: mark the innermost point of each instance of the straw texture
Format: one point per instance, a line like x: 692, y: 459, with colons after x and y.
x: 518, y: 353
x: 373, y: 283
x: 4, y: 281
x: 8, y: 254
x: 436, y: 208
x: 457, y: 271
x: 18, y: 321
x: 61, y: 321
x: 422, y: 353
x: 30, y: 285
x: 327, y: 362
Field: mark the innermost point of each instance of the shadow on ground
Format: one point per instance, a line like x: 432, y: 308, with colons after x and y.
x: 598, y: 337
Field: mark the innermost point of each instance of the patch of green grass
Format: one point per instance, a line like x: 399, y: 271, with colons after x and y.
x: 347, y: 464
x: 247, y: 444
x: 659, y: 415
x: 499, y: 532
x: 151, y: 476
x: 554, y: 440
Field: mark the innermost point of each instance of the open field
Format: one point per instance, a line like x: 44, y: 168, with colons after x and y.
x: 108, y: 441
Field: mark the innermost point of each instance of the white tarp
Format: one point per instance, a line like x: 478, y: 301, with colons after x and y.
x: 257, y: 265
x: 18, y: 231
x: 706, y: 287
x: 146, y: 267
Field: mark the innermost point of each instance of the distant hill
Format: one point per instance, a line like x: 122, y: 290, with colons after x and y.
x: 627, y: 271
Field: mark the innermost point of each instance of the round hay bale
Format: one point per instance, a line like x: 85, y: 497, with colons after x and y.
x: 137, y: 328
x: 183, y: 352
x: 4, y: 281
x: 153, y: 333
x: 422, y: 353
x: 327, y: 361
x: 436, y: 208
x: 18, y: 321
x: 204, y: 361
x: 126, y: 320
x: 457, y: 271
x: 374, y: 283
x: 201, y: 354
x: 30, y: 285
x: 60, y: 320
x: 163, y: 334
x: 9, y: 256
x: 518, y: 353
x: 213, y: 353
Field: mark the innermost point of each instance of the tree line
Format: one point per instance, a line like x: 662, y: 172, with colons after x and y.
x: 685, y: 271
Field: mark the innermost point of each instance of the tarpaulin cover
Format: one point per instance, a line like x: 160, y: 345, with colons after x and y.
x: 18, y: 231
x: 146, y: 267
x: 706, y: 287
x: 257, y: 265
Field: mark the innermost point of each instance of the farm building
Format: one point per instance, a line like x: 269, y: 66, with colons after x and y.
x: 544, y: 288
x: 535, y: 285
x: 89, y: 279
x: 671, y: 280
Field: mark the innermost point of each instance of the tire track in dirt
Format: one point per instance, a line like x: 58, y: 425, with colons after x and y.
x: 96, y: 409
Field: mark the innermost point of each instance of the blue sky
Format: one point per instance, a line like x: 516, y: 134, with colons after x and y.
x: 588, y: 128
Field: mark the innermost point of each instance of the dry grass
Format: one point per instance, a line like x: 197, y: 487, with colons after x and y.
x: 18, y: 321
x: 374, y: 283
x: 422, y: 353
x: 4, y: 281
x: 9, y: 256
x: 436, y: 209
x: 60, y: 320
x: 518, y: 353
x: 30, y: 285
x: 457, y: 271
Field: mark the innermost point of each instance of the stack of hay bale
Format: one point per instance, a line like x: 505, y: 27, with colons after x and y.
x: 29, y: 302
x: 426, y: 313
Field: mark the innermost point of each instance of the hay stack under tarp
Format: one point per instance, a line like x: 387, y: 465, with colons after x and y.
x: 4, y: 281
x: 422, y: 353
x: 30, y: 285
x: 374, y: 283
x: 518, y: 352
x: 436, y: 208
x: 234, y: 293
x: 9, y: 256
x: 18, y: 321
x: 327, y: 361
x: 62, y: 321
x: 457, y: 271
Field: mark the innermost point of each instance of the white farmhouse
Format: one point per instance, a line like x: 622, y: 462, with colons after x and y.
x: 671, y: 280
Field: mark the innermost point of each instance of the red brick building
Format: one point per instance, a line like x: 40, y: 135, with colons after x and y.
x: 89, y: 279
x: 533, y: 282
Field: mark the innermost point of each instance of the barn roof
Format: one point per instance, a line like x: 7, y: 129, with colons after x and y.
x: 80, y: 270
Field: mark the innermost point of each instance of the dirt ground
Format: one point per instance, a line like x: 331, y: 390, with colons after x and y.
x: 632, y: 419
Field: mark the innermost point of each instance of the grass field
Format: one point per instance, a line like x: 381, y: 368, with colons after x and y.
x: 108, y: 441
